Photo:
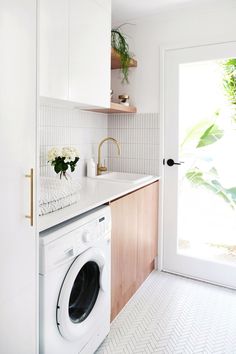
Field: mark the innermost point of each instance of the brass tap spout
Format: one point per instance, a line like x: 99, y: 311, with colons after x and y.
x: 101, y: 168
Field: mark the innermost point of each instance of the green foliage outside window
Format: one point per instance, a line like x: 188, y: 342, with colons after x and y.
x: 206, y: 133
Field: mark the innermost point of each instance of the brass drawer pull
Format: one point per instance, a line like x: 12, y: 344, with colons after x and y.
x: 31, y: 215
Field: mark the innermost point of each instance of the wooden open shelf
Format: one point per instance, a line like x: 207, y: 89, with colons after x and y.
x: 115, y: 108
x: 115, y: 60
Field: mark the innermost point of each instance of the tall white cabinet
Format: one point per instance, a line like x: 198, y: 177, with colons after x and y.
x: 75, y: 51
x: 73, y: 65
x: 18, y: 239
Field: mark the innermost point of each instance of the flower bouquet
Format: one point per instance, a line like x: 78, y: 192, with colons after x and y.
x: 63, y: 159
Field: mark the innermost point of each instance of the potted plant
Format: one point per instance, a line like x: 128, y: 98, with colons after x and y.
x: 120, y: 45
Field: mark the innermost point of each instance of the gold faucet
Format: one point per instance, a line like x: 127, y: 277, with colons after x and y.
x: 101, y: 168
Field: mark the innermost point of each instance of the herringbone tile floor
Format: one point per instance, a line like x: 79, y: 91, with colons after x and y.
x: 175, y: 315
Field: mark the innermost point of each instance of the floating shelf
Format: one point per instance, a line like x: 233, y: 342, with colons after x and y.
x: 115, y: 60
x: 115, y: 108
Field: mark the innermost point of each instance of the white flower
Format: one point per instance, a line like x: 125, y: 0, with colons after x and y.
x: 53, y: 154
x: 69, y: 153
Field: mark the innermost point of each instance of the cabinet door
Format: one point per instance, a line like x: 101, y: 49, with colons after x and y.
x: 147, y: 230
x: 89, y: 52
x: 134, y: 243
x: 54, y: 48
x: 18, y: 241
x: 124, y: 251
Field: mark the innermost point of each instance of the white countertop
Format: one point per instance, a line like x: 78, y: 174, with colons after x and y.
x: 93, y: 193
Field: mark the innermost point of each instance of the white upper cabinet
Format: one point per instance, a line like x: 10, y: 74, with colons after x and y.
x: 54, y: 48
x: 90, y: 52
x: 75, y: 51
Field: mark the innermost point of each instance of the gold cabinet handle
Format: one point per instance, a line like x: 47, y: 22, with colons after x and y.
x: 31, y: 215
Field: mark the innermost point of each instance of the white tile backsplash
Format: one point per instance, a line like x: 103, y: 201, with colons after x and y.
x: 138, y: 135
x: 63, y: 126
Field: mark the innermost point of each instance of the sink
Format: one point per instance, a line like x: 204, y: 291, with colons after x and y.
x: 124, y: 177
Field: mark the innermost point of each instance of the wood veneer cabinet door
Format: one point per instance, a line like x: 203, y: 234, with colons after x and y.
x: 147, y: 230
x: 124, y: 251
x: 133, y: 243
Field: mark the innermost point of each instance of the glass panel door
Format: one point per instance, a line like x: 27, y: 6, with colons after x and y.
x: 207, y: 181
x: 200, y: 136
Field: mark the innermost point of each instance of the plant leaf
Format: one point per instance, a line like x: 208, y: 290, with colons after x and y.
x: 232, y: 192
x: 199, y: 179
x: 195, y: 132
x: 210, y: 136
x: 64, y: 166
x: 222, y: 192
x: 58, y: 167
x: 214, y: 172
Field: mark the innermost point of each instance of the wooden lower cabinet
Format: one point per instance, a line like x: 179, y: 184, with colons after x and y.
x: 134, y: 243
x: 123, y: 251
x: 147, y: 230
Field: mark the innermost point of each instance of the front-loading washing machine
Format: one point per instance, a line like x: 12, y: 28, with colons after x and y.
x: 75, y: 285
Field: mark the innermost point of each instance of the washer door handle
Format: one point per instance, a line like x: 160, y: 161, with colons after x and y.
x: 103, y: 278
x: 69, y: 252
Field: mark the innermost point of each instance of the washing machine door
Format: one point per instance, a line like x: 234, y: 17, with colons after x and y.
x: 83, y: 296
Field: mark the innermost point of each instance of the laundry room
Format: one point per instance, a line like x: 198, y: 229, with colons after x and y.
x: 118, y: 132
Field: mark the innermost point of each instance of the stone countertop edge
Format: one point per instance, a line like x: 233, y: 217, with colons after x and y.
x: 93, y: 194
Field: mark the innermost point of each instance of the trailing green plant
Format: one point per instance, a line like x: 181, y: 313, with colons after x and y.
x: 121, y: 46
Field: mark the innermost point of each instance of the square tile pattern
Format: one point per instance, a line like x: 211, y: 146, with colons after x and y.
x: 170, y: 314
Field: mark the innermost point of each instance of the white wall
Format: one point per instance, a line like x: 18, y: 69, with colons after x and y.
x: 64, y: 126
x: 190, y: 25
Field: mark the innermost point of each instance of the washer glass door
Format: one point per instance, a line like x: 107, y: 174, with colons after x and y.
x: 83, y: 296
x: 84, y: 292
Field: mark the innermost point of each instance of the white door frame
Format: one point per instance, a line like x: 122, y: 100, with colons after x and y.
x: 162, y: 51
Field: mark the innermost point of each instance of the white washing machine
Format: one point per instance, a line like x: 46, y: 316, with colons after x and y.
x: 75, y: 284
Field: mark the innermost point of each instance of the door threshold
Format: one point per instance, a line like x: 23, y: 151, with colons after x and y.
x: 198, y: 279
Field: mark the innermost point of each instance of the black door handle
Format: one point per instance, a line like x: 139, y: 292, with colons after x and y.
x: 170, y: 162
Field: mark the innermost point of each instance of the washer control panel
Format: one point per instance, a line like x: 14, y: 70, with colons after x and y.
x: 65, y: 243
